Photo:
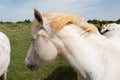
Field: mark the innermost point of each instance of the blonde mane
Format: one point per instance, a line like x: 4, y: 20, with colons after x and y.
x: 59, y: 20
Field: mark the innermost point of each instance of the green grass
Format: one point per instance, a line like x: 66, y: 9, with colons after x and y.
x: 19, y: 35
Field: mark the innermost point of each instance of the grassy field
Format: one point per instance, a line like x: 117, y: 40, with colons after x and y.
x: 19, y: 35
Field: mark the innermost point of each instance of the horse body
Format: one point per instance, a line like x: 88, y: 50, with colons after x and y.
x: 4, y: 53
x: 89, y: 53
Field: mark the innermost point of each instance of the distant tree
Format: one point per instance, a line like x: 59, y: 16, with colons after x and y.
x: 9, y: 22
x: 111, y: 21
x: 27, y: 21
x: 118, y: 21
x: 1, y: 22
x: 20, y: 22
x: 104, y: 22
x: 89, y: 21
x: 94, y: 21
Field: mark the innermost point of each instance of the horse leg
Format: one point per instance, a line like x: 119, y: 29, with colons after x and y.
x: 4, y: 76
x: 80, y: 77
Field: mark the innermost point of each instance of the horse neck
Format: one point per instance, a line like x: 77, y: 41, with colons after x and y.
x: 74, y: 37
x: 79, y: 47
x: 69, y: 38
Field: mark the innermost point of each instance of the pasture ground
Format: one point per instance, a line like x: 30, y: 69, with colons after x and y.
x: 19, y: 35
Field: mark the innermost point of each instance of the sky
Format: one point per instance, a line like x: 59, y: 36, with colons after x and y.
x: 19, y: 10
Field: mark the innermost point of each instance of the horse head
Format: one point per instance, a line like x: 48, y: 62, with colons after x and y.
x: 42, y: 50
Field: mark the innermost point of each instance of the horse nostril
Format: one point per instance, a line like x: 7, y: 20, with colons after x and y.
x: 32, y: 67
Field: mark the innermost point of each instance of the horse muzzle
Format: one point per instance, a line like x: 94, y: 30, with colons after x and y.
x: 33, y: 67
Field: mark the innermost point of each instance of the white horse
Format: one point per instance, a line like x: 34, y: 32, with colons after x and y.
x: 4, y: 55
x: 87, y: 51
x: 111, y: 30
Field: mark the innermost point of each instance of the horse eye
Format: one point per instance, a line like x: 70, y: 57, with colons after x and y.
x: 42, y: 28
x: 33, y: 40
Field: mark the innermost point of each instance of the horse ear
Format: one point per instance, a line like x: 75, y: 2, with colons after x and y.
x: 38, y: 16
